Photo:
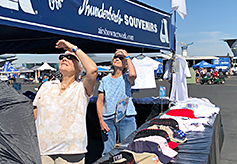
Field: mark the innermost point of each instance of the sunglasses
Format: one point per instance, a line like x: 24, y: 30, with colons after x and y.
x: 70, y: 57
x: 120, y: 57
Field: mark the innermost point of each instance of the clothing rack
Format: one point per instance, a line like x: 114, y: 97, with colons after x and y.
x: 140, y: 56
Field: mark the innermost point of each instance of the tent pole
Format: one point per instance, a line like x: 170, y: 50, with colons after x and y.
x: 36, y: 77
x: 173, y: 55
x: 174, y: 52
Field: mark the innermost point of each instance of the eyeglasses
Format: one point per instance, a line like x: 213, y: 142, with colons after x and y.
x: 120, y: 57
x: 70, y: 57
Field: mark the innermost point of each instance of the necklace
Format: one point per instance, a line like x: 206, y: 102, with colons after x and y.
x: 63, y: 88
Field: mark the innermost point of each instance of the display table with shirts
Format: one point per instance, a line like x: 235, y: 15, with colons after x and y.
x: 201, y: 146
x: 146, y: 108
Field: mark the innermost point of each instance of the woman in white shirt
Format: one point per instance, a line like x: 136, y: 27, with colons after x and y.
x: 60, y: 108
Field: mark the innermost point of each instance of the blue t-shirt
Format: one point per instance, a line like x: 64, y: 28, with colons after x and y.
x: 115, y: 90
x: 44, y: 80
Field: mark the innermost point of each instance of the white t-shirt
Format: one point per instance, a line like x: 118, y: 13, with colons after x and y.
x: 145, y: 73
x: 179, y: 91
x: 202, y: 107
x: 61, y: 118
x: 188, y: 124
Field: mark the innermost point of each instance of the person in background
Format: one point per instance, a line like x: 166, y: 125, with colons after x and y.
x: 13, y: 77
x: 52, y: 76
x: 60, y: 108
x: 201, y: 71
x: 211, y: 72
x: 215, y: 74
x: 231, y: 72
x: 221, y: 74
x: 197, y: 75
x: 45, y: 79
x: 9, y: 79
x: 226, y: 72
x: 113, y: 88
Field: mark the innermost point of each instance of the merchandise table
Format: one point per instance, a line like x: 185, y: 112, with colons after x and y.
x: 146, y: 108
x: 201, y: 146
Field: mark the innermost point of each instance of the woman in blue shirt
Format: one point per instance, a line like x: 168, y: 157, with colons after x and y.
x: 113, y: 88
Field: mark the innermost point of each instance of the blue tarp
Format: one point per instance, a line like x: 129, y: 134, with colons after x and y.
x: 120, y: 22
x: 100, y: 69
x: 203, y: 64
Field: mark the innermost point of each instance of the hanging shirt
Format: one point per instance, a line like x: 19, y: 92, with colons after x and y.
x: 145, y: 73
x: 179, y: 90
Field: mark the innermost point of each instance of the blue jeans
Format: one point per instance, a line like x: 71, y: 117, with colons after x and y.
x: 120, y: 130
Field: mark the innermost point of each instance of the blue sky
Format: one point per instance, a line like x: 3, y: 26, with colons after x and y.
x: 207, y: 22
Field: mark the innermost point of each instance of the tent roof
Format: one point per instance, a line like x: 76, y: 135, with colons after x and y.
x: 36, y: 28
x: 24, y: 69
x: 35, y: 68
x: 46, y: 66
x: 37, y: 42
x: 203, y: 64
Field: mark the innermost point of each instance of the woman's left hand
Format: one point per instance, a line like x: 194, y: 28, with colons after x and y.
x: 65, y: 45
x: 124, y: 52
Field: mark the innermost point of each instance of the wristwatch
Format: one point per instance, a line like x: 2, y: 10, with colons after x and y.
x: 75, y: 48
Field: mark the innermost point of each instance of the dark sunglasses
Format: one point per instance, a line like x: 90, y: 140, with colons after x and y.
x: 70, y: 57
x: 120, y: 57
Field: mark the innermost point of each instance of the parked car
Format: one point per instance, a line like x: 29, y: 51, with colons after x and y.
x: 4, y: 78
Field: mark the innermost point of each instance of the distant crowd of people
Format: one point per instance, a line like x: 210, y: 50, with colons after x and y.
x: 212, y: 73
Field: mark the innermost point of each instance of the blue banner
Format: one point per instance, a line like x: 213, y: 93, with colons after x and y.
x: 160, y: 66
x: 222, y: 62
x: 113, y: 21
x: 173, y: 40
x: 5, y: 67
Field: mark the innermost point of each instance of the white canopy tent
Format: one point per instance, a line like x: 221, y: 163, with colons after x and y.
x: 44, y: 67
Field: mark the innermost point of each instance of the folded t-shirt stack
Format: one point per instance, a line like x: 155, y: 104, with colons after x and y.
x: 161, y: 138
x: 193, y: 114
x: 155, y: 144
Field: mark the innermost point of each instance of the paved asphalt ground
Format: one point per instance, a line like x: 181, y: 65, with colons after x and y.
x: 222, y: 95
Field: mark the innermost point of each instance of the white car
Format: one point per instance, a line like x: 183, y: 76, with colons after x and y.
x: 4, y: 78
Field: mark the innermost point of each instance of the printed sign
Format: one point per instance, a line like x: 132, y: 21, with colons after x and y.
x: 162, y: 92
x: 115, y: 21
x: 121, y: 109
x: 222, y: 61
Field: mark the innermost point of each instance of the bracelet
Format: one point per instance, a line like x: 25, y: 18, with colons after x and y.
x: 127, y: 57
x: 75, y: 48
